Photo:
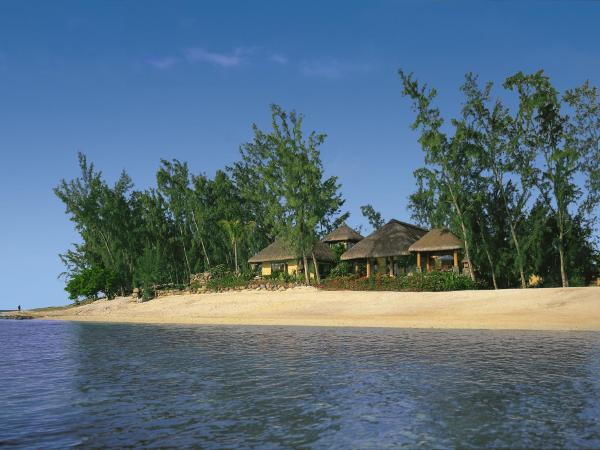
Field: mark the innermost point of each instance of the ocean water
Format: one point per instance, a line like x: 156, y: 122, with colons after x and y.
x: 110, y: 385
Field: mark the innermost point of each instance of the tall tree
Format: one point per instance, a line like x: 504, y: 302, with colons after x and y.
x: 290, y: 182
x: 448, y: 158
x: 506, y: 166
x: 102, y: 217
x: 549, y: 132
x: 236, y: 232
x: 173, y: 180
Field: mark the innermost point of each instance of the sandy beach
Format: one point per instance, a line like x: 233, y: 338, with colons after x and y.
x: 531, y: 309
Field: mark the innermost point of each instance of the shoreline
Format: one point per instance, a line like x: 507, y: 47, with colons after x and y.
x: 558, y: 309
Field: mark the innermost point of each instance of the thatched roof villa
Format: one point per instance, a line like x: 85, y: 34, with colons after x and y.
x: 343, y: 235
x: 438, y: 247
x: 386, y: 251
x: 280, y: 257
x: 382, y: 249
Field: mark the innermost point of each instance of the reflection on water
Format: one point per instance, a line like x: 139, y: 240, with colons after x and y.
x: 105, y: 385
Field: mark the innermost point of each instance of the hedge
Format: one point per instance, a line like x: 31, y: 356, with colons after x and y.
x: 415, y: 282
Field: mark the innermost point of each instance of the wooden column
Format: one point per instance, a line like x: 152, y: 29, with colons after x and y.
x: 427, y: 267
x: 355, y: 267
x: 418, y: 261
x: 368, y: 267
x: 391, y: 263
x: 455, y: 259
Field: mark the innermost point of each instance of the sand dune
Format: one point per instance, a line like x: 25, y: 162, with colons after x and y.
x: 531, y: 309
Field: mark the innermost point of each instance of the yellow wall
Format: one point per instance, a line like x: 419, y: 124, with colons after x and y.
x: 292, y: 267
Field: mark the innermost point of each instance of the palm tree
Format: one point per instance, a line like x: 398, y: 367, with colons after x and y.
x: 236, y: 232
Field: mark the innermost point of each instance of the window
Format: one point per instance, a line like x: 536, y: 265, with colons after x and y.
x: 278, y: 267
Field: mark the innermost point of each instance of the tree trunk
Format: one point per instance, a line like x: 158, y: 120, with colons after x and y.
x: 106, y: 245
x: 317, y: 275
x: 560, y: 214
x: 561, y: 254
x: 513, y: 232
x: 467, y: 251
x: 201, y: 241
x: 305, y: 262
x: 519, y: 258
x: 489, y: 256
x: 463, y: 227
x: 237, y: 269
x: 187, y: 262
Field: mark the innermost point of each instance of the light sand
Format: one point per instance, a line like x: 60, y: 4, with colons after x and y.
x: 531, y: 309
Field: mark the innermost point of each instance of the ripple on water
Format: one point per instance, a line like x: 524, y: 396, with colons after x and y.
x: 107, y: 385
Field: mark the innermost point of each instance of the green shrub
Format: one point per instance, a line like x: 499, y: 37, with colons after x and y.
x: 219, y: 271
x: 577, y: 280
x: 229, y: 280
x: 148, y: 293
x: 342, y: 269
x: 284, y: 277
x: 249, y: 273
x: 416, y: 282
x: 338, y: 249
x: 90, y: 282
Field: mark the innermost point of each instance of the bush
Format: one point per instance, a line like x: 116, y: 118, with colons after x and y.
x: 90, y: 282
x: 342, y: 269
x: 148, y: 293
x: 338, y: 249
x: 225, y: 279
x: 415, y: 282
x: 284, y: 277
x: 219, y: 271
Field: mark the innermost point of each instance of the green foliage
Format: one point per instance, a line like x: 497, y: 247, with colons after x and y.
x: 341, y: 269
x: 518, y: 186
x: 92, y: 281
x: 374, y: 217
x: 294, y: 192
x: 219, y: 271
x: 284, y: 277
x: 338, y: 249
x: 228, y: 280
x: 415, y: 282
x: 236, y: 232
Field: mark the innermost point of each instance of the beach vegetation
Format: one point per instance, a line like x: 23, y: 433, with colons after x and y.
x: 90, y: 282
x: 519, y: 185
x: 413, y: 282
x: 192, y: 223
x: 374, y: 217
x: 341, y: 269
x: 300, y: 202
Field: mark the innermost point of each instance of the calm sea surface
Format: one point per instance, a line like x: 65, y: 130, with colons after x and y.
x: 102, y: 385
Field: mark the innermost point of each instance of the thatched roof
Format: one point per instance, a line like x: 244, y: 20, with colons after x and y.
x: 280, y: 250
x: 436, y: 240
x: 393, y: 239
x: 343, y: 234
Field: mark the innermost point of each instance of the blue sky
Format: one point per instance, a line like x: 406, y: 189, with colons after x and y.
x: 130, y: 82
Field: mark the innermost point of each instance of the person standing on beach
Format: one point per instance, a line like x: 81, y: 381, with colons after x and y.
x: 19, y: 308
